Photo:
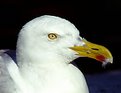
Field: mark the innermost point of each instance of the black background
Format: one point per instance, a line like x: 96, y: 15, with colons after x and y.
x: 99, y: 21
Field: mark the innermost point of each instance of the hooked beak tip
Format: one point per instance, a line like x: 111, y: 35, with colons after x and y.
x: 107, y: 61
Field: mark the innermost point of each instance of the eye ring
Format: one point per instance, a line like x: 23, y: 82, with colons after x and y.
x: 52, y: 36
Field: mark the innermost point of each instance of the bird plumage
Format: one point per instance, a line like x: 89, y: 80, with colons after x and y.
x: 44, y: 54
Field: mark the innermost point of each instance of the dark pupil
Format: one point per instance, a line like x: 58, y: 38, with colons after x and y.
x: 53, y: 36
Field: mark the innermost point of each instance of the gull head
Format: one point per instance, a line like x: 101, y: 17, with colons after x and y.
x: 55, y: 38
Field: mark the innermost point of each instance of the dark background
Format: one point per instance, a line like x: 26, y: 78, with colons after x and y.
x: 98, y: 21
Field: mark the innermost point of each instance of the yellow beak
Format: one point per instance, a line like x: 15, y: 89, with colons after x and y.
x: 94, y: 51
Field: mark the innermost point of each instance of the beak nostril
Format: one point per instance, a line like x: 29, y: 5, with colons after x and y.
x: 94, y: 49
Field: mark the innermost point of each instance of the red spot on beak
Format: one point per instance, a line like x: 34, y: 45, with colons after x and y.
x: 100, y: 58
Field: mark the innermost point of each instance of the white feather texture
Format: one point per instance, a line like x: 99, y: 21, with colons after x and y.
x: 44, y: 64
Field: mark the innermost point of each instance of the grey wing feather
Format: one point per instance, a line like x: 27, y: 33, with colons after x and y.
x: 6, y: 83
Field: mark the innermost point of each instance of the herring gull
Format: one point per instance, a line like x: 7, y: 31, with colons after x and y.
x: 46, y: 47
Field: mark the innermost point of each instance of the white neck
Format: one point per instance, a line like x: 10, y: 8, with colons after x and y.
x: 54, y: 72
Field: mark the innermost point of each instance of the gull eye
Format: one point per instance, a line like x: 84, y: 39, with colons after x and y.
x: 52, y: 36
